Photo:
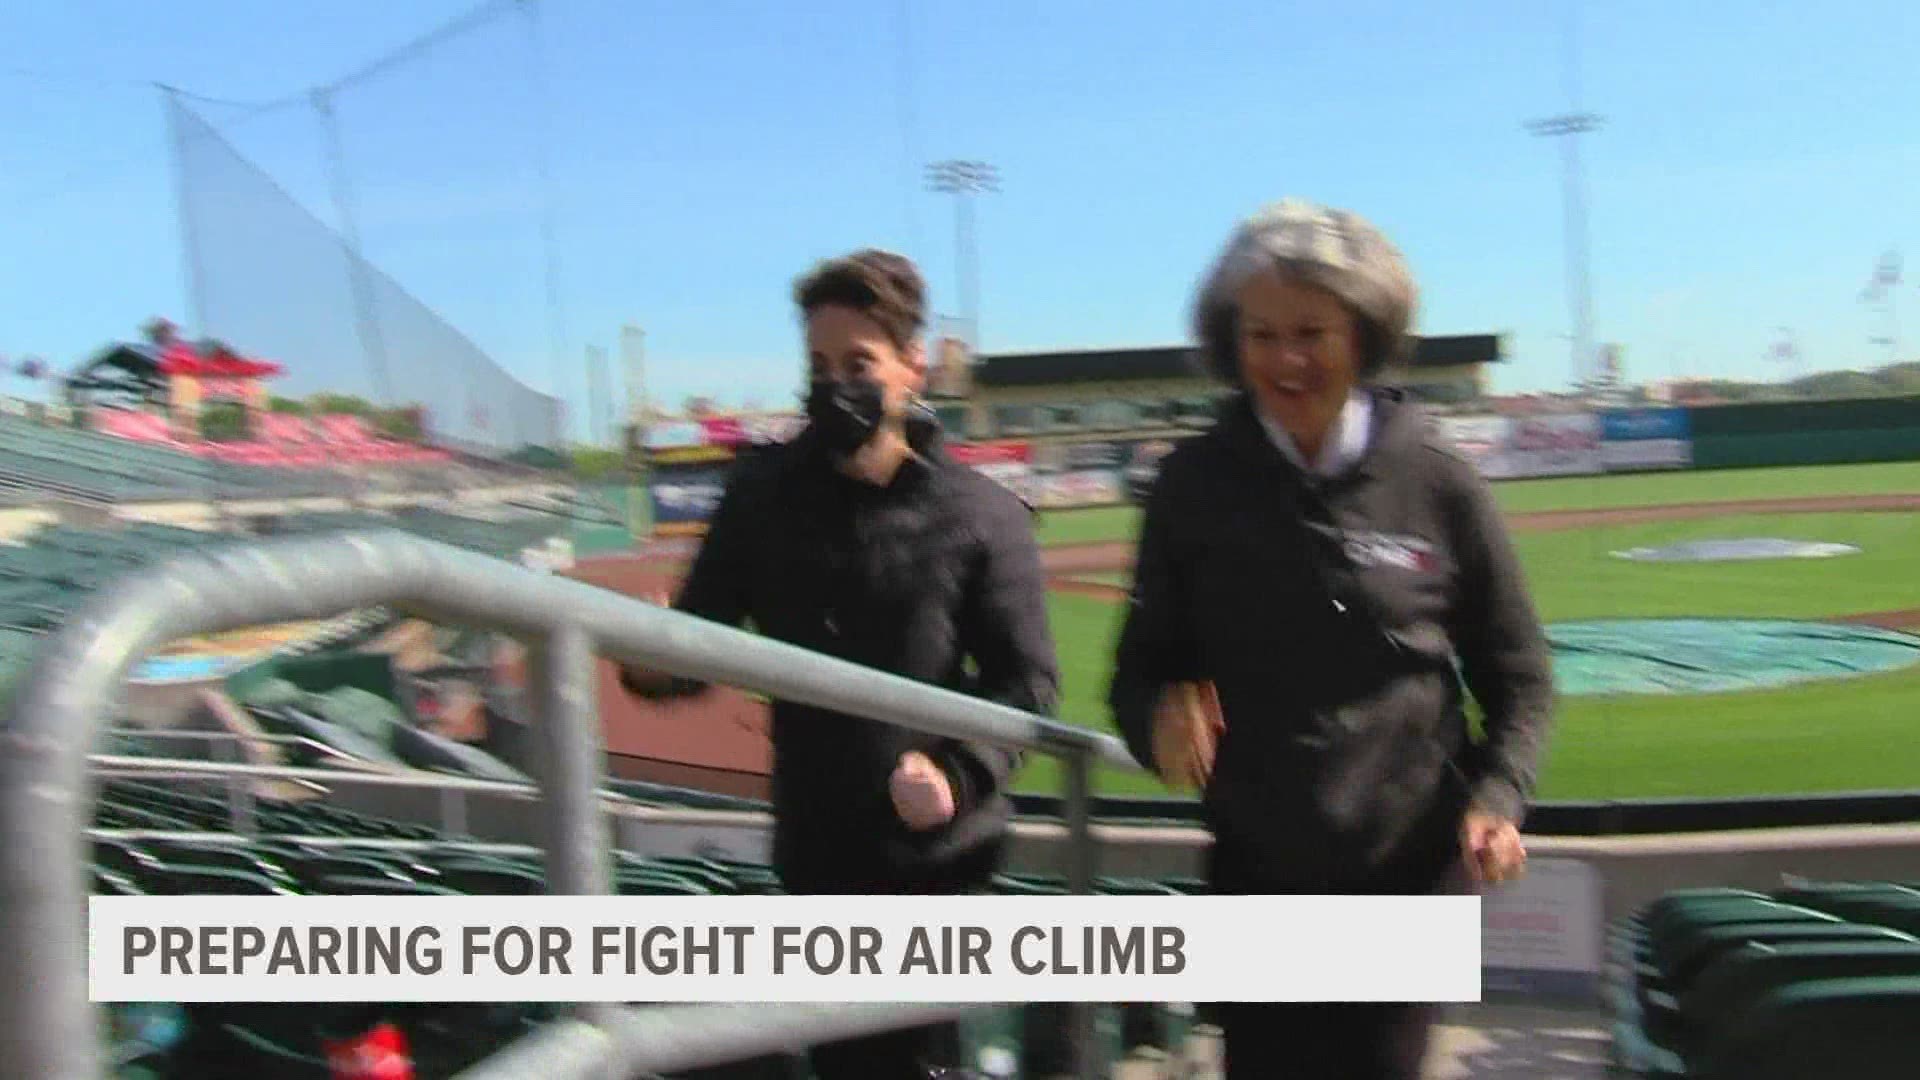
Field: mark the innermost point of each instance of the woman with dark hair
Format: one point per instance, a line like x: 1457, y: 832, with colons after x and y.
x: 1321, y: 582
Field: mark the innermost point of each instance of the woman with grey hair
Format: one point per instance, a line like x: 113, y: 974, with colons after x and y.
x: 1320, y: 583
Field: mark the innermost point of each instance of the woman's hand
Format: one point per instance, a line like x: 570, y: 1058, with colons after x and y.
x: 1492, y: 847
x: 922, y: 794
x: 1187, y: 724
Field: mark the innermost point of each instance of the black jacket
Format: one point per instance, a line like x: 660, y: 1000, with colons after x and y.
x: 936, y: 570
x: 1341, y: 620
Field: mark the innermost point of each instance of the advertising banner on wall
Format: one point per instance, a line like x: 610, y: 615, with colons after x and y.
x: 1093, y: 456
x: 1143, y: 466
x: 1015, y: 476
x: 1482, y: 439
x: 1556, y: 444
x: 688, y: 455
x: 980, y: 455
x: 685, y: 496
x: 1647, y: 454
x: 675, y: 433
x: 1635, y: 439
x: 1645, y: 425
x: 1089, y: 487
x: 1541, y: 935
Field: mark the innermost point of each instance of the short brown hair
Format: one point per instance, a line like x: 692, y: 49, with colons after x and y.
x: 885, y: 287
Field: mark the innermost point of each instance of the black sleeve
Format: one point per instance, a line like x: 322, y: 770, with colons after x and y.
x: 1505, y: 657
x: 1004, y: 629
x: 1154, y: 647
x: 715, y: 587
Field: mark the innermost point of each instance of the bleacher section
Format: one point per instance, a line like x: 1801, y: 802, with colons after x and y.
x: 1816, y: 979
x: 310, y: 849
x: 36, y: 458
x: 41, y: 582
x: 59, y: 566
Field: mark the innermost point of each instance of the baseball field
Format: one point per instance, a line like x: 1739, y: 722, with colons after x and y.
x: 1830, y: 722
x: 1670, y: 686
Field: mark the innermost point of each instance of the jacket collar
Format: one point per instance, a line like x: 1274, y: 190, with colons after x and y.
x: 1392, y: 419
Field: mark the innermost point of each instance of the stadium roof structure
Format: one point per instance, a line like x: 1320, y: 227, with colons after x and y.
x: 1174, y: 362
x: 125, y: 370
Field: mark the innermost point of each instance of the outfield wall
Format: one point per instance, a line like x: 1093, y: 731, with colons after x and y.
x: 685, y: 465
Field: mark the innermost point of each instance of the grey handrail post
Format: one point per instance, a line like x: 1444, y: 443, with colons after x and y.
x: 562, y: 677
x: 1082, y: 867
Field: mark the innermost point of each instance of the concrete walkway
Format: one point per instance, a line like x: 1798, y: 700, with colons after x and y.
x: 1512, y: 1042
x: 1475, y: 1042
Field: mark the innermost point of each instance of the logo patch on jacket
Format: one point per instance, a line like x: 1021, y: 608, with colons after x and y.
x: 1375, y: 549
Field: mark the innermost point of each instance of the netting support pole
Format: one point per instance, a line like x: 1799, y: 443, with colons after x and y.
x: 189, y: 234
x: 366, y: 319
x: 549, y: 227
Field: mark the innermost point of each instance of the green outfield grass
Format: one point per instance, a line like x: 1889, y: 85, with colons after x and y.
x: 1843, y: 734
x: 1723, y: 485
x: 1099, y: 525
x: 1110, y: 523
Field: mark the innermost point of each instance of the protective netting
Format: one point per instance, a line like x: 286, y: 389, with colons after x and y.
x: 1699, y: 656
x: 441, y: 194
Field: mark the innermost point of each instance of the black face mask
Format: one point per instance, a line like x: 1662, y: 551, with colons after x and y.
x: 846, y: 413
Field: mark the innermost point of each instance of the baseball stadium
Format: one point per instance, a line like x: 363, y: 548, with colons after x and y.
x: 321, y: 599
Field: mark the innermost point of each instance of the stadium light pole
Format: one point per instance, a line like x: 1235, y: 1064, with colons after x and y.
x: 1879, y: 295
x: 1568, y: 127
x: 963, y: 180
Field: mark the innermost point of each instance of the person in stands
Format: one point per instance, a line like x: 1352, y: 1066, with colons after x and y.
x: 864, y: 540
x: 1320, y: 584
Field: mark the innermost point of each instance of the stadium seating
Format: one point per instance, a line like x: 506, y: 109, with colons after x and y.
x: 87, y: 465
x: 1800, y: 981
x: 314, y: 849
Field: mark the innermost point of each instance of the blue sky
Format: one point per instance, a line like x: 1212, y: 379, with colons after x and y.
x: 1756, y: 162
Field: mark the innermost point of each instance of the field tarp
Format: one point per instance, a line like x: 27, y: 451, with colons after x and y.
x: 1703, y: 656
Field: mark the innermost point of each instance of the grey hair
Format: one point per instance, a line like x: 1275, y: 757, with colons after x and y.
x: 1336, y: 250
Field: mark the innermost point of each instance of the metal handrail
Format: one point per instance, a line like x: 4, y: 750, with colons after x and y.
x: 47, y: 1023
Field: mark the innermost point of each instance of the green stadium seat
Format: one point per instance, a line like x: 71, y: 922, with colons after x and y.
x: 195, y: 881
x: 1712, y: 942
x: 272, y: 693
x: 1133, y: 887
x: 498, y: 879
x: 313, y: 870
x: 113, y: 883
x: 1668, y: 930
x: 1726, y: 991
x: 1027, y: 885
x: 656, y: 883
x: 369, y: 885
x: 1857, y: 1028
x: 125, y: 857
x: 362, y: 712
x: 1880, y: 904
x: 180, y: 853
x: 712, y: 877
